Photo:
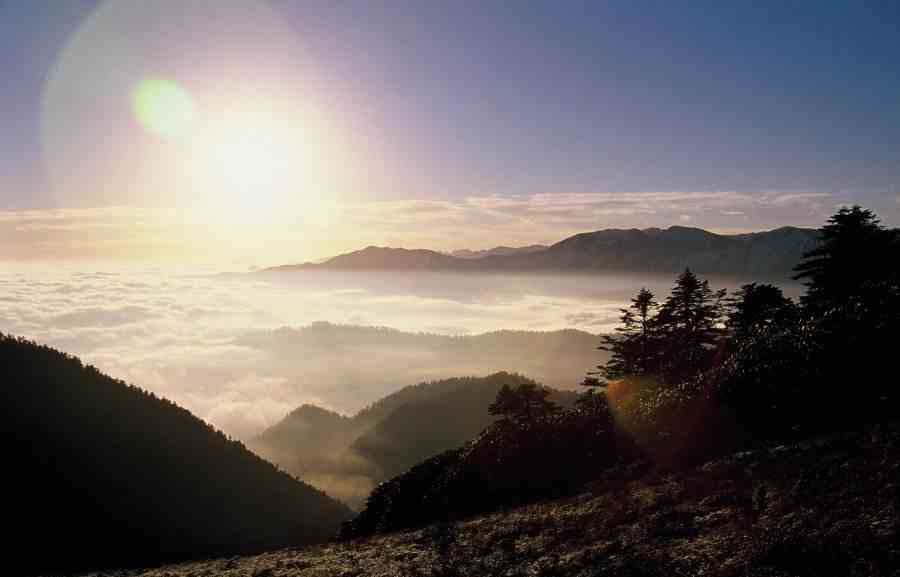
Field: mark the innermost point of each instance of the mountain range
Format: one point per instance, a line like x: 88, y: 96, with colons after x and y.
x: 350, y: 455
x: 769, y: 254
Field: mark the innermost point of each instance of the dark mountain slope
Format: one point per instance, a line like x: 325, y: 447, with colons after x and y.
x: 107, y: 475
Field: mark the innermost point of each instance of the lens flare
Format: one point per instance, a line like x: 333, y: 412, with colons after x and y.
x: 162, y: 107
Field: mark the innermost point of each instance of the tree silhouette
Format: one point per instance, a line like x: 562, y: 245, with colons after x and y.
x: 526, y: 403
x: 506, y: 404
x: 853, y: 275
x: 689, y: 327
x: 755, y: 306
x: 631, y: 347
x: 674, y: 341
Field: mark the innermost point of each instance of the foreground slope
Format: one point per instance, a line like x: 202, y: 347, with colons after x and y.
x: 820, y: 507
x: 104, y: 474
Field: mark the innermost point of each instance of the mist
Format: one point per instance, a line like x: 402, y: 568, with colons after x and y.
x: 243, y: 350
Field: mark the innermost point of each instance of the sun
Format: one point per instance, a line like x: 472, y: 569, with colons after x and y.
x: 253, y: 158
x: 248, y: 159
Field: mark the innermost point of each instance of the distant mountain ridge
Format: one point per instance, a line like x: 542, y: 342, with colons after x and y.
x: 771, y: 253
x: 498, y: 251
x: 386, y: 359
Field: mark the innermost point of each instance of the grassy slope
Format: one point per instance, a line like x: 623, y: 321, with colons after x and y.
x: 822, y: 507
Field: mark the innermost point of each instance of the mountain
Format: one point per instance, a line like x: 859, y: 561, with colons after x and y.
x: 769, y: 254
x: 498, y: 251
x: 108, y: 475
x: 351, y: 455
x: 430, y: 418
x: 380, y: 258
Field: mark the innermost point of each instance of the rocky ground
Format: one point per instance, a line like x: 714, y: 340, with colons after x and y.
x: 821, y: 507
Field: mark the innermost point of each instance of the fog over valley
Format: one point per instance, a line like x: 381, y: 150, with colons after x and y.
x: 239, y: 351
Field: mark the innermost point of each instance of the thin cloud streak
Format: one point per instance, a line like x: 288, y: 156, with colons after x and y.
x: 475, y: 222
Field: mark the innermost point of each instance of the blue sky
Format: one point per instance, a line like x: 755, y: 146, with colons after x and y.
x: 515, y: 101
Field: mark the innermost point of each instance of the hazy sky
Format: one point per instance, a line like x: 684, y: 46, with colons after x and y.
x: 289, y: 130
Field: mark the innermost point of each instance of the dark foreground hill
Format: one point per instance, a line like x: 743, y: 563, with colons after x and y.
x: 349, y: 456
x: 768, y: 254
x: 822, y: 507
x: 102, y: 474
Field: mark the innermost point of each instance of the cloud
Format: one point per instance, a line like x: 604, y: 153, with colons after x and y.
x: 473, y: 222
x: 89, y: 233
x: 216, y: 346
x: 485, y: 221
x: 101, y: 317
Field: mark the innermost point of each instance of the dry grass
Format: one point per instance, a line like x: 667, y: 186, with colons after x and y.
x: 825, y: 507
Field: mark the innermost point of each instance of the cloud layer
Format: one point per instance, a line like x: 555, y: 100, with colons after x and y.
x: 215, y: 345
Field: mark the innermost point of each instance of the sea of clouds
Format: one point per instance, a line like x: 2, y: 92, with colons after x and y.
x: 233, y: 350
x: 194, y: 336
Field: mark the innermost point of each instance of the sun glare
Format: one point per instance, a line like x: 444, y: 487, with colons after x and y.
x: 162, y: 107
x: 247, y: 159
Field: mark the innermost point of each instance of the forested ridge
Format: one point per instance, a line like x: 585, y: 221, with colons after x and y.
x: 104, y: 474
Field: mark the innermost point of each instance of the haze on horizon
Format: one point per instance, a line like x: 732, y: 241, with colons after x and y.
x: 256, y: 133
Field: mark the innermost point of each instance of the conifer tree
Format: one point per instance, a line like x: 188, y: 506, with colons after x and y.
x: 755, y: 306
x: 526, y: 403
x: 689, y: 326
x: 853, y: 275
x: 631, y: 346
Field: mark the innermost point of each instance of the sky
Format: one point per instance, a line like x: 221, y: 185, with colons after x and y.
x: 255, y: 133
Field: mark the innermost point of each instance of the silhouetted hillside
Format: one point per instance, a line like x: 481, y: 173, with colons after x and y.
x: 763, y: 254
x: 823, y: 507
x: 104, y: 474
x: 348, y: 456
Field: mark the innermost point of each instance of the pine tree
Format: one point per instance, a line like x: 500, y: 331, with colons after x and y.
x: 755, y: 306
x: 631, y: 346
x: 689, y: 327
x: 506, y: 405
x: 853, y: 276
x: 526, y: 403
